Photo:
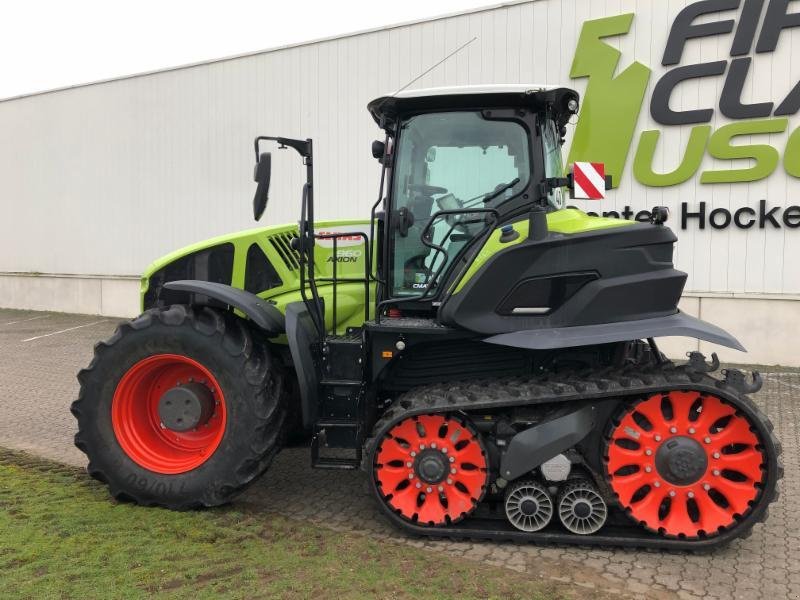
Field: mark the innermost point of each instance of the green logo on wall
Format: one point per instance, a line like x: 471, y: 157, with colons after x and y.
x: 613, y: 101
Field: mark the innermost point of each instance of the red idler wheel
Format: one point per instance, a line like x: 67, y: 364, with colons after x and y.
x: 168, y: 413
x: 685, y: 464
x: 431, y: 469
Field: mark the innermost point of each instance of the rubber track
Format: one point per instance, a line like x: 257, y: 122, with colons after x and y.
x: 261, y: 373
x: 631, y: 383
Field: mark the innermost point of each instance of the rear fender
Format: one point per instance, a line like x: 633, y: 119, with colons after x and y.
x: 675, y: 325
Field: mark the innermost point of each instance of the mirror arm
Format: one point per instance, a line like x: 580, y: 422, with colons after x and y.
x: 303, y: 147
x: 551, y: 183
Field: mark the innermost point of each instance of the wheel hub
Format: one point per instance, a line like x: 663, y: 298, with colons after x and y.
x: 582, y: 509
x: 681, y: 460
x: 186, y: 406
x: 164, y: 426
x: 431, y: 466
x: 528, y: 507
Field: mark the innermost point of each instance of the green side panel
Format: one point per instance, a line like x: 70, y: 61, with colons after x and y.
x: 568, y: 222
x: 275, y: 242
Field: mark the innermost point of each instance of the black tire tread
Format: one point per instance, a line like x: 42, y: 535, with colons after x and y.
x: 265, y: 376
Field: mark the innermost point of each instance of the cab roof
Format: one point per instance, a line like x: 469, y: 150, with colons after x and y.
x: 386, y: 109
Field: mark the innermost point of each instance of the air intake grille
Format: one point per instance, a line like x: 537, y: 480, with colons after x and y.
x: 282, y: 242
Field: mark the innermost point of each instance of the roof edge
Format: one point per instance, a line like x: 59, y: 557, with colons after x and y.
x: 213, y: 61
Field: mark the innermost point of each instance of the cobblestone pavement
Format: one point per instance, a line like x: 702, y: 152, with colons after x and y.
x: 38, y: 362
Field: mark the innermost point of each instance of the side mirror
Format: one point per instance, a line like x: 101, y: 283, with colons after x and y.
x: 378, y: 149
x: 261, y: 175
x: 588, y: 181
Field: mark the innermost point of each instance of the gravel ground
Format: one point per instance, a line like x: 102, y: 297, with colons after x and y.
x: 41, y: 352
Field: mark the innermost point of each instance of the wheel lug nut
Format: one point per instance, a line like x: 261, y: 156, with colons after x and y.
x: 433, y: 446
x: 706, y: 487
x: 429, y: 490
x: 444, y: 450
x: 672, y: 493
x: 441, y: 488
x: 656, y: 484
x: 452, y: 459
x: 419, y: 485
x: 422, y: 446
x: 690, y: 494
x: 707, y: 440
x: 716, y: 454
x: 691, y: 430
x: 658, y: 438
x: 408, y: 464
x: 413, y: 454
x: 453, y: 471
x: 716, y: 472
x: 648, y: 452
x: 449, y: 481
x: 648, y: 469
x: 673, y: 430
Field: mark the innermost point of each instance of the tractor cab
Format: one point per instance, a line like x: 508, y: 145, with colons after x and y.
x: 460, y: 162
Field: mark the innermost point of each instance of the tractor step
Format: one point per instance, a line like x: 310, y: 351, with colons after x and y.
x: 340, y: 440
x: 341, y: 382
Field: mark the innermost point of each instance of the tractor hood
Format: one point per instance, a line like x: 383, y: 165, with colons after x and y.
x: 261, y: 261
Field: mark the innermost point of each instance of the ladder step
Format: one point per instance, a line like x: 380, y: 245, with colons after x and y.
x: 341, y: 382
x: 341, y: 464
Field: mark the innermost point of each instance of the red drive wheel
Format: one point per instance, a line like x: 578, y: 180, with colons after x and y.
x: 168, y: 413
x: 685, y: 464
x: 431, y: 469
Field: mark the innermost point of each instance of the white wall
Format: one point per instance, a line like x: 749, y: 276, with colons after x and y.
x: 102, y: 179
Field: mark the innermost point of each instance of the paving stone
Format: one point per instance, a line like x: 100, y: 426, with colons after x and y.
x: 38, y: 382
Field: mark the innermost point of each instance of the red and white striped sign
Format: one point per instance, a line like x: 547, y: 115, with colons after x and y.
x: 589, y: 180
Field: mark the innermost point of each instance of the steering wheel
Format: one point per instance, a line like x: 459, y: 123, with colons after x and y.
x: 427, y: 190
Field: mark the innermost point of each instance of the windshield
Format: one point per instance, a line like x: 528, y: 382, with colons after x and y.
x: 450, y: 161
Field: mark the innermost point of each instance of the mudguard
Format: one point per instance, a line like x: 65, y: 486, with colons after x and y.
x: 302, y: 335
x: 676, y: 325
x: 261, y: 312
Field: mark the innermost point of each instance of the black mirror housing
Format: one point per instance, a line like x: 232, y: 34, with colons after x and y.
x: 378, y: 149
x: 261, y: 175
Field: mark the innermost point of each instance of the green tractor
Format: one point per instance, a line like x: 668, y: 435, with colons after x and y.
x: 485, y: 354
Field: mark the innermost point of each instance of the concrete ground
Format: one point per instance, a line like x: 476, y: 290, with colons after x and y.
x: 41, y: 352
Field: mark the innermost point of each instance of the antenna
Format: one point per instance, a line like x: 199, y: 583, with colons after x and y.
x: 431, y: 68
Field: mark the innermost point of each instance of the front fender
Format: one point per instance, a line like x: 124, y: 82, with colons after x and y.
x: 676, y: 325
x: 260, y: 311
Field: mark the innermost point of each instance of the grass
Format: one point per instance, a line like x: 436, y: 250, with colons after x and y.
x: 61, y: 536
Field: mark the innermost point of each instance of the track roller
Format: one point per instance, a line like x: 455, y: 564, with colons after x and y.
x: 581, y: 508
x: 528, y: 505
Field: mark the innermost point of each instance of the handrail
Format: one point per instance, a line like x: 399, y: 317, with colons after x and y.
x: 336, y: 280
x: 427, y: 241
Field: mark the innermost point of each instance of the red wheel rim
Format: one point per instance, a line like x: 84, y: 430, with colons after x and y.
x: 655, y: 466
x: 137, y: 425
x: 431, y: 469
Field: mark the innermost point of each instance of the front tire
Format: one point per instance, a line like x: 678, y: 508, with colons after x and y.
x: 121, y: 409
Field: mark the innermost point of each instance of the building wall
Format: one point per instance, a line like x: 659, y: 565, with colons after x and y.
x: 99, y: 180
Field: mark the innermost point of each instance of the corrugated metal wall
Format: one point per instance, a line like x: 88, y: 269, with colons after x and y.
x: 104, y: 178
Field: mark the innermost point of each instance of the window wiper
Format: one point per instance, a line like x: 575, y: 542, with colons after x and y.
x: 489, y: 196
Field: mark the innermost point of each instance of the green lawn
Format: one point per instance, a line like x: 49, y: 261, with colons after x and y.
x: 61, y: 536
